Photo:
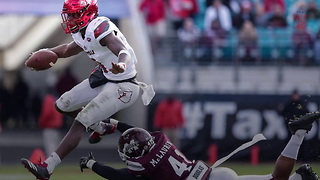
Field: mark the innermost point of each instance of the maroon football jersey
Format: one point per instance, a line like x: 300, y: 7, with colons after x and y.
x: 163, y: 162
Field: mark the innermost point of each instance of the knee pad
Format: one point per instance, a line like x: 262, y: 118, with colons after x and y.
x: 72, y: 114
x: 63, y: 103
x: 88, y: 115
x: 84, y: 119
x: 223, y: 173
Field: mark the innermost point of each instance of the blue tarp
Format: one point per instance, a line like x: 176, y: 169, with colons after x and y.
x: 109, y: 8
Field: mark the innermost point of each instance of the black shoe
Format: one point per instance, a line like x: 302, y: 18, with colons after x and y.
x: 96, y: 137
x: 304, y: 122
x: 307, y: 173
x: 38, y: 170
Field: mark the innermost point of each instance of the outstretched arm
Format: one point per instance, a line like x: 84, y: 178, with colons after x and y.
x: 116, y: 45
x: 105, y: 171
x: 121, y: 126
x: 67, y: 50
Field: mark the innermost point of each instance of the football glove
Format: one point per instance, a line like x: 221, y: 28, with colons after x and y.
x: 86, y: 162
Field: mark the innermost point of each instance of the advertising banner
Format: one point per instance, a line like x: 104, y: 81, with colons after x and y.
x: 227, y: 121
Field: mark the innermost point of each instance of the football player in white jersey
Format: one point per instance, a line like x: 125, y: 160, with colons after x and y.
x: 151, y: 156
x: 110, y: 88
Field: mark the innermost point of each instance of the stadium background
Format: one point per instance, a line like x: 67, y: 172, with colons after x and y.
x: 252, y: 90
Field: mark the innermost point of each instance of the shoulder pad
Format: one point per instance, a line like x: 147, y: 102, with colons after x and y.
x: 103, y: 27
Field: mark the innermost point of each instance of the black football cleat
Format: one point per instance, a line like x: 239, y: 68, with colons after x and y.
x: 307, y: 173
x: 96, y: 137
x: 38, y: 170
x: 303, y: 122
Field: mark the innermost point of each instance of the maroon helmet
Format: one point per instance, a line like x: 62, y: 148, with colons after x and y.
x: 135, y: 142
x: 76, y: 14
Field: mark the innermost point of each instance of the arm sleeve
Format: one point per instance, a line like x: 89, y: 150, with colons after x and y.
x: 122, y: 127
x: 114, y: 174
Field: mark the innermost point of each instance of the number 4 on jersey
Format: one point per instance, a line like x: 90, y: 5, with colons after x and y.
x: 179, y: 167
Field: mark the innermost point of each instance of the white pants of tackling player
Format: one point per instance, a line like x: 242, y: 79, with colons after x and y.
x: 228, y: 174
x: 99, y: 103
x: 200, y: 170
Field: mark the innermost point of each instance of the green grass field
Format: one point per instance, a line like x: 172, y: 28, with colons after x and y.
x: 72, y: 172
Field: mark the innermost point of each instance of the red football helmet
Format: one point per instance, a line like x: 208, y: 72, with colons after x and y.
x: 135, y: 142
x: 76, y: 14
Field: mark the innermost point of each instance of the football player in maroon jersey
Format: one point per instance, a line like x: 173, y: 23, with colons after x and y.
x: 150, y: 155
x: 111, y: 87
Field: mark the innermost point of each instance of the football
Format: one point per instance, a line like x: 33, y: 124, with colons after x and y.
x: 41, y: 60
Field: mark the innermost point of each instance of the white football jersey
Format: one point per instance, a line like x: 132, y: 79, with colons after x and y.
x: 96, y: 30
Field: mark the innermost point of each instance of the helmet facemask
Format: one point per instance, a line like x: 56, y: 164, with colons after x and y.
x: 77, y: 15
x: 134, y: 143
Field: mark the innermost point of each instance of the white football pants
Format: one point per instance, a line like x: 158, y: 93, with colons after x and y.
x: 222, y: 173
x: 99, y: 103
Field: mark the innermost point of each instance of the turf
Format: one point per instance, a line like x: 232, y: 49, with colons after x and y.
x: 72, y: 172
x: 62, y: 172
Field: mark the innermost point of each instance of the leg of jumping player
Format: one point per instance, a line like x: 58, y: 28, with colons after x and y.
x: 104, y: 105
x: 100, y: 103
x: 285, y: 162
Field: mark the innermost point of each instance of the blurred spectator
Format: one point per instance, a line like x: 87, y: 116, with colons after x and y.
x: 181, y: 9
x: 260, y: 17
x: 293, y: 108
x: 198, y: 17
x: 235, y: 9
x: 313, y: 12
x: 302, y: 44
x: 189, y: 36
x: 298, y: 7
x: 154, y: 12
x: 50, y: 120
x: 269, y: 5
x: 317, y: 47
x: 219, y: 13
x: 246, y: 14
x: 5, y: 105
x: 1, y: 102
x: 14, y: 101
x: 277, y: 18
x: 232, y: 5
x: 19, y: 99
x: 169, y: 118
x: 299, y: 21
x: 216, y: 33
x: 248, y: 42
x: 213, y: 38
x: 65, y: 82
x: 35, y: 103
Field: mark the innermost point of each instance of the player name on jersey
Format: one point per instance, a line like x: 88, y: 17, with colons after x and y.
x: 164, y: 149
